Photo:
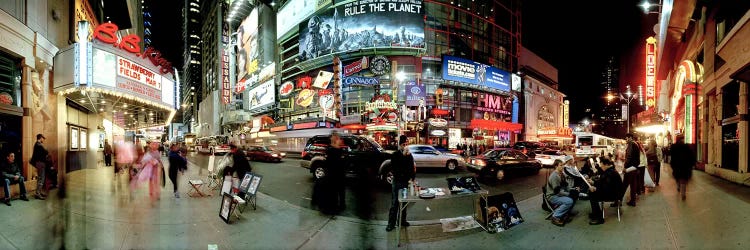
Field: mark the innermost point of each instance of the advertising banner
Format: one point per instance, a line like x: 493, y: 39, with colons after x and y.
x: 133, y: 71
x: 247, y: 46
x: 468, y: 71
x: 351, y: 119
x: 360, y: 81
x: 356, y: 66
x: 262, y: 95
x: 323, y: 79
x: 414, y: 93
x: 363, y: 24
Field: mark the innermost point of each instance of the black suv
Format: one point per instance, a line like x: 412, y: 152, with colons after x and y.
x: 361, y: 154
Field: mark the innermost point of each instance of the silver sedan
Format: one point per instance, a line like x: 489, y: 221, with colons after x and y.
x: 426, y: 156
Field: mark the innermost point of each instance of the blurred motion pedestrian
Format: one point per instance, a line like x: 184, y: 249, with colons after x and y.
x: 654, y: 166
x: 151, y: 168
x: 177, y: 163
x: 40, y: 160
x: 683, y: 161
x: 404, y: 172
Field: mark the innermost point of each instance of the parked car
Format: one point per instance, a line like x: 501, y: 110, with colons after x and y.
x: 362, y: 155
x: 427, y: 156
x: 263, y: 153
x: 497, y: 163
x: 550, y: 157
x: 530, y: 148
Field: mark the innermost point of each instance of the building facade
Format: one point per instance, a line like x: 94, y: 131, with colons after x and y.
x: 191, y: 69
x: 436, y: 71
x: 704, y: 66
x: 543, y: 113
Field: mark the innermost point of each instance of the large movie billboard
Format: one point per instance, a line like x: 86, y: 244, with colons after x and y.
x: 363, y: 24
x: 468, y: 71
x: 247, y: 46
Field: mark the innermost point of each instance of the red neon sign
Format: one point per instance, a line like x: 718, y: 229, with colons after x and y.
x: 650, y: 72
x: 107, y: 33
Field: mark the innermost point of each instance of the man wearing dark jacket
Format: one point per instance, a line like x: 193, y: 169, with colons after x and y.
x: 177, y: 163
x: 402, y: 164
x: 40, y: 161
x: 607, y: 186
x: 10, y: 173
x: 632, y: 159
x: 336, y: 172
x: 241, y: 164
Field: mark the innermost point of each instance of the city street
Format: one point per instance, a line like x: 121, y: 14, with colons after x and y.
x: 370, y: 200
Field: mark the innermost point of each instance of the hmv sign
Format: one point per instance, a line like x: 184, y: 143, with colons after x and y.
x: 495, y: 103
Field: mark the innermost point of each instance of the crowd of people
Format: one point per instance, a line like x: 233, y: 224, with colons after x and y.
x: 602, y: 182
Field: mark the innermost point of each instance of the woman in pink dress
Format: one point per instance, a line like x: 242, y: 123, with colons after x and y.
x: 150, y: 171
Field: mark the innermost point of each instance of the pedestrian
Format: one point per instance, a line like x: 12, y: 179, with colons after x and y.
x: 107, y: 153
x: 240, y: 164
x: 403, y: 168
x: 10, y: 173
x: 683, y: 161
x: 151, y: 169
x: 177, y: 163
x: 654, y: 166
x: 337, y: 171
x: 631, y: 162
x: 40, y: 160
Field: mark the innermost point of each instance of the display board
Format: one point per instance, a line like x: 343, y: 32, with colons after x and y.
x: 501, y: 212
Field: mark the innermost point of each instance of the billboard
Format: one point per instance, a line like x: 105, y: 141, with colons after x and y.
x: 362, y: 24
x: 293, y: 12
x: 468, y: 71
x: 415, y: 93
x: 247, y: 46
x: 262, y: 95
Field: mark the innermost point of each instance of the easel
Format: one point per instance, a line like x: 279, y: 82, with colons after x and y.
x: 212, y: 179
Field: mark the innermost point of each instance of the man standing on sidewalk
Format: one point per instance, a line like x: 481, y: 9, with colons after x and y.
x: 402, y: 165
x: 632, y: 160
x: 682, y: 164
x: 40, y: 160
x: 107, y: 153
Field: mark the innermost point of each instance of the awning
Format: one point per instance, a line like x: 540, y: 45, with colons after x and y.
x: 496, y: 125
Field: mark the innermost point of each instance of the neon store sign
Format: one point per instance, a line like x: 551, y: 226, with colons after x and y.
x: 107, y: 33
x: 650, y: 72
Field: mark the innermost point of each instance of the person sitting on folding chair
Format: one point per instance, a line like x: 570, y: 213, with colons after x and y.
x: 561, y: 194
x: 607, y: 187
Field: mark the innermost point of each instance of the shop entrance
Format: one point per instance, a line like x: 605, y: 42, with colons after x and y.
x: 10, y: 135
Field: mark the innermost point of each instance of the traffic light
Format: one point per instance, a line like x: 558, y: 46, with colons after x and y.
x: 439, y: 97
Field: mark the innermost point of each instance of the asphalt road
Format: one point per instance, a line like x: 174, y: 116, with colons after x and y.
x: 370, y: 200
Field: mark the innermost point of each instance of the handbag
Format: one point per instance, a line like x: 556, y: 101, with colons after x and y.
x: 647, y: 181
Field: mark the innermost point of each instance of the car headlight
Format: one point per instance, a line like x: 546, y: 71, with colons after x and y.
x: 479, y: 162
x: 275, y: 155
x: 283, y: 154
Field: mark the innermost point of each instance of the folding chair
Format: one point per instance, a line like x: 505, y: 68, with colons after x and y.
x: 196, y: 191
x: 546, y: 205
x: 618, y: 205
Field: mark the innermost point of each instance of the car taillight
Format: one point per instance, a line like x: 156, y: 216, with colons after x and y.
x: 544, y: 157
x: 304, y: 153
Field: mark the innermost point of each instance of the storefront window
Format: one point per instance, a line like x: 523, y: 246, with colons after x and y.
x: 545, y: 118
x: 10, y: 81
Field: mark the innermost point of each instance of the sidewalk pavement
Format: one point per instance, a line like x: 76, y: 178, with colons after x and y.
x: 100, y: 215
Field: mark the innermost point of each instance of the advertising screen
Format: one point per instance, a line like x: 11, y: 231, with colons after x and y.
x: 362, y: 24
x: 262, y: 95
x: 468, y: 71
x: 167, y: 95
x: 247, y: 46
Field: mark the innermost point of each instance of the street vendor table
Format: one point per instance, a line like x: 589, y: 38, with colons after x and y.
x: 404, y: 202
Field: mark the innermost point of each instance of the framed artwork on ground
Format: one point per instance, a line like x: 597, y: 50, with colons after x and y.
x: 254, y: 183
x: 226, y: 207
x: 245, y: 184
x: 73, y: 138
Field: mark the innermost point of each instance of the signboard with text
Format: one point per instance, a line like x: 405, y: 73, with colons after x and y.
x: 414, y: 93
x: 356, y: 25
x: 464, y: 70
x: 650, y: 73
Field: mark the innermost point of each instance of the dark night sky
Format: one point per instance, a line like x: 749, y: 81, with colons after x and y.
x: 167, y: 29
x: 577, y: 37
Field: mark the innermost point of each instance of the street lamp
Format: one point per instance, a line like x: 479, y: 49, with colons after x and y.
x: 628, y: 97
